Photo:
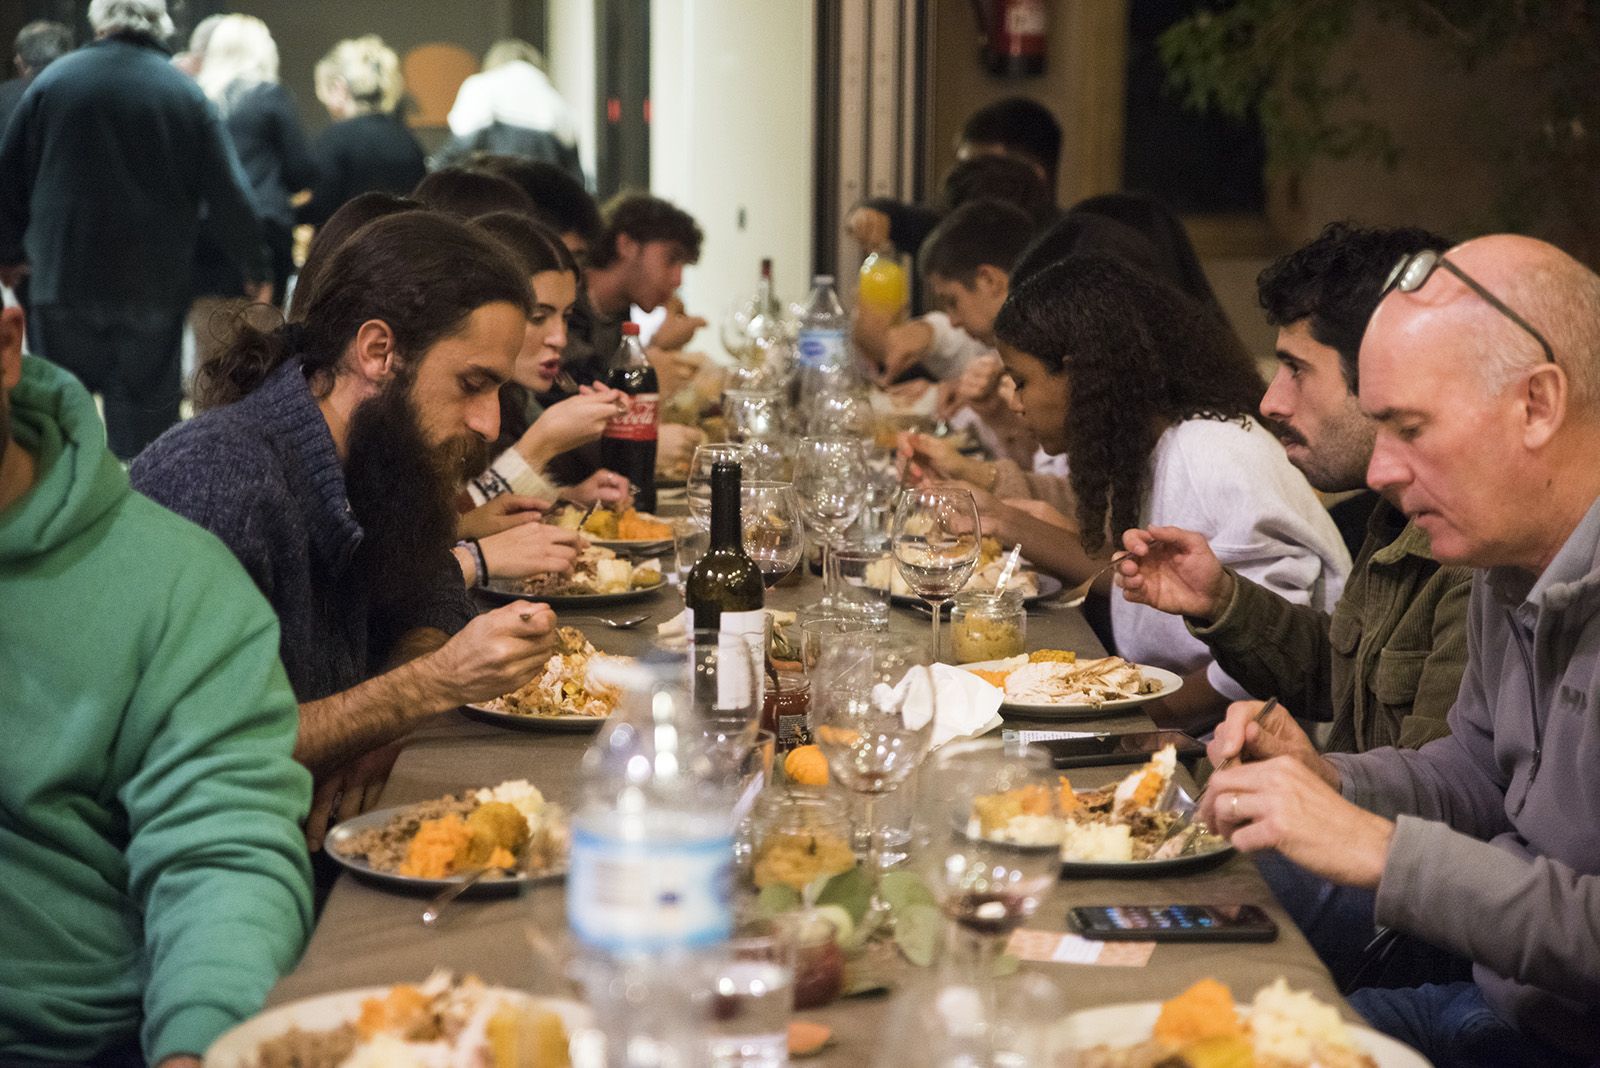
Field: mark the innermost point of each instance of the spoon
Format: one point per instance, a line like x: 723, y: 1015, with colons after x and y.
x: 1011, y: 565
x: 615, y: 624
x: 436, y: 907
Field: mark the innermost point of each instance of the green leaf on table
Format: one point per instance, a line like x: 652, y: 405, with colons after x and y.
x: 916, y: 932
x: 775, y: 899
x: 902, y: 889
x: 850, y: 890
x: 1005, y: 964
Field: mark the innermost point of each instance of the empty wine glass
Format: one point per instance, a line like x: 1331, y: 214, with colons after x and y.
x: 774, y: 534
x: 872, y: 716
x: 698, y: 487
x: 769, y: 459
x: 842, y: 413
x: 752, y: 413
x: 935, y: 544
x: 830, y: 477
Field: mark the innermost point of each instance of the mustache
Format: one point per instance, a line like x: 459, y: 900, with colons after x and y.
x: 1286, y: 433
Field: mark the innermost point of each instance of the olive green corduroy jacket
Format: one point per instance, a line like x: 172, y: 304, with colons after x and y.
x: 1385, y: 667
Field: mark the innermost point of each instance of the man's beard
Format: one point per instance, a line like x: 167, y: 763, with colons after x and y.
x: 402, y: 492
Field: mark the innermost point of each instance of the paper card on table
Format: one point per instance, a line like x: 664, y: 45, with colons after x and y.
x: 1054, y: 947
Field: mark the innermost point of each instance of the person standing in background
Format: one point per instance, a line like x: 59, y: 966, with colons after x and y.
x: 105, y: 172
x: 39, y: 44
x: 368, y: 148
x: 239, y: 74
x: 510, y: 108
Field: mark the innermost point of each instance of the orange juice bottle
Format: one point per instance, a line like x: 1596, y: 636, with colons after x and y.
x: 882, y: 284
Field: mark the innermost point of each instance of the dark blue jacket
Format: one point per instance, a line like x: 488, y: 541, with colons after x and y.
x: 105, y: 170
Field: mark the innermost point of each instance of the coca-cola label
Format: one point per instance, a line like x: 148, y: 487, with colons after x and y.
x: 638, y: 423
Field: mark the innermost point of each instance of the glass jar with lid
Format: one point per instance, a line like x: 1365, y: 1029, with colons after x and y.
x: 986, y: 625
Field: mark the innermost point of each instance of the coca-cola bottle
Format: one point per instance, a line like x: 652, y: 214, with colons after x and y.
x: 628, y: 445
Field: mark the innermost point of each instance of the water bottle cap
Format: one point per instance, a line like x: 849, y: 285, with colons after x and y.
x: 630, y: 329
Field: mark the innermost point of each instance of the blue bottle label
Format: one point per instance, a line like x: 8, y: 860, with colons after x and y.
x: 633, y: 897
x: 819, y: 348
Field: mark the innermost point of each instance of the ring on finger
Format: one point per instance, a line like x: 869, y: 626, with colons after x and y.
x: 1233, y: 807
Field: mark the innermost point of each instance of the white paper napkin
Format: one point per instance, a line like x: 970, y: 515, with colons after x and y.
x: 967, y: 705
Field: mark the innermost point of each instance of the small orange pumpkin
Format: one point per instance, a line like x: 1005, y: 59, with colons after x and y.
x: 806, y: 765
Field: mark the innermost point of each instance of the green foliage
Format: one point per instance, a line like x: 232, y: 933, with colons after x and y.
x: 1276, y: 60
x: 917, y: 930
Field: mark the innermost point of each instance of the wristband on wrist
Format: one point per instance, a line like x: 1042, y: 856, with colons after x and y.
x: 475, y: 550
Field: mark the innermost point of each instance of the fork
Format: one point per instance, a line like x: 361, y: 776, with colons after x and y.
x: 431, y: 914
x: 1185, y: 825
x: 615, y: 624
x: 566, y: 383
x: 1076, y: 595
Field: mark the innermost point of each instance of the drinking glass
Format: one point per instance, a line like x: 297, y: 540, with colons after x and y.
x: 873, y: 704
x: 752, y: 413
x: 691, y: 537
x: 935, y: 544
x: 752, y: 995
x: 774, y: 534
x: 841, y: 413
x: 865, y: 570
x: 726, y: 691
x: 768, y: 459
x: 816, y: 635
x: 987, y: 842
x: 830, y: 476
x: 698, y: 488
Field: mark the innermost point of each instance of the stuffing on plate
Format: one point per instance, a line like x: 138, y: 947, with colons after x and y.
x: 1202, y: 1027
x: 507, y: 828
x: 610, y: 524
x: 445, y: 1022
x: 570, y: 684
x: 597, y: 570
x: 1124, y: 822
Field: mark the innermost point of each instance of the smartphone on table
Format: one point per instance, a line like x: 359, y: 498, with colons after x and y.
x: 1134, y: 748
x: 1173, y: 923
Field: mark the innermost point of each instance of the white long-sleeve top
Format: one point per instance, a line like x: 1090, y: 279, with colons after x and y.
x: 1234, y: 484
x: 516, y: 94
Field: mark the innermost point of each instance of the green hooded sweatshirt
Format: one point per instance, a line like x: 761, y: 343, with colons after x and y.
x: 153, y: 877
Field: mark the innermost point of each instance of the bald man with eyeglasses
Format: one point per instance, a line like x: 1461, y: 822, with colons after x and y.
x: 1481, y: 368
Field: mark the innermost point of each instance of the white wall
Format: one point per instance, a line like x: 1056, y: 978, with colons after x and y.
x: 571, y: 52
x: 731, y: 97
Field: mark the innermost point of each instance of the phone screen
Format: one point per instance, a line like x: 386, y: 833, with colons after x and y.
x: 1174, y: 923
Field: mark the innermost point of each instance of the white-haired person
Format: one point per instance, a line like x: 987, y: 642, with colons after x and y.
x: 368, y: 148
x: 511, y: 108
x: 239, y: 73
x: 106, y: 170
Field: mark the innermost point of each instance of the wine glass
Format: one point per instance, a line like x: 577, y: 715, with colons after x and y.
x: 830, y: 477
x: 935, y: 544
x: 872, y: 716
x: 768, y: 459
x: 752, y: 413
x: 987, y: 843
x: 726, y: 692
x: 773, y: 530
x: 842, y: 413
x: 698, y: 484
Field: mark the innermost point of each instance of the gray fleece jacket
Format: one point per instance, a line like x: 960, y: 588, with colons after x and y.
x: 1497, y: 849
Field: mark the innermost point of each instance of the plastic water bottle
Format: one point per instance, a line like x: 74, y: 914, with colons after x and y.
x: 649, y: 889
x: 823, y: 327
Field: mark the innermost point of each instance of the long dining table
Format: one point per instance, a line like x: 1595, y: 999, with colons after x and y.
x: 367, y: 935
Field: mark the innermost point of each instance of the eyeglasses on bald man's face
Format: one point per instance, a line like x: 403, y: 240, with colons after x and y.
x: 1414, y: 270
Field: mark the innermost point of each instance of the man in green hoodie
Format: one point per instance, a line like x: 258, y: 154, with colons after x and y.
x: 155, y: 878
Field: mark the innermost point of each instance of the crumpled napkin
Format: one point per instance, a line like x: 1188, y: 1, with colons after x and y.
x: 967, y: 706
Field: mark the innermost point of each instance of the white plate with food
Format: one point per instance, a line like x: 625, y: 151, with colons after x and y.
x: 1282, y: 1028
x: 443, y: 1020
x: 1056, y: 684
x: 627, y: 531
x: 568, y: 694
x: 599, y: 577
x: 427, y: 847
x: 1115, y: 830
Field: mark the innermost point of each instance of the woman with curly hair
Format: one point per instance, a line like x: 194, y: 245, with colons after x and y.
x: 1152, y: 401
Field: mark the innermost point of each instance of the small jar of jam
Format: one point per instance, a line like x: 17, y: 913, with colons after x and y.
x: 986, y: 625
x: 786, y: 708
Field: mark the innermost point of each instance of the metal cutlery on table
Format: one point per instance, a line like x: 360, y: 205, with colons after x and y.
x: 615, y: 624
x: 436, y: 907
x: 1184, y: 832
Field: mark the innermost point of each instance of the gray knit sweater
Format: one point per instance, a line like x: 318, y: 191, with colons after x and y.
x: 263, y: 475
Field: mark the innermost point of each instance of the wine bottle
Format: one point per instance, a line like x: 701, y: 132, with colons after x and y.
x: 724, y: 590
